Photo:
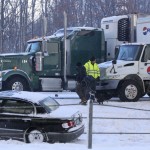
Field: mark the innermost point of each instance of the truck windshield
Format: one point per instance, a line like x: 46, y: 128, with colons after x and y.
x: 33, y: 47
x: 129, y: 52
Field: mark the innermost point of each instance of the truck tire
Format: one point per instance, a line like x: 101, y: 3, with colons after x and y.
x: 129, y: 91
x: 17, y: 84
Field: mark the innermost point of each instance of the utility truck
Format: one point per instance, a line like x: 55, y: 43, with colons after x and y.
x: 128, y: 75
x: 49, y: 63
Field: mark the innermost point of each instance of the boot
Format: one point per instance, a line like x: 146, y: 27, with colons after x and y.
x: 84, y: 101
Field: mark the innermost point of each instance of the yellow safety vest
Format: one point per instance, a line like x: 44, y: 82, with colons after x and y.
x: 92, y: 70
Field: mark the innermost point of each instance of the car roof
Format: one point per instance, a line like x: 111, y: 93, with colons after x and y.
x: 29, y: 96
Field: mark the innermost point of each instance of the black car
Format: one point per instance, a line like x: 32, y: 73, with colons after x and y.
x: 36, y: 117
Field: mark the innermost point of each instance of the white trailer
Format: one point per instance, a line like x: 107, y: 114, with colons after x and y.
x: 143, y: 29
x: 118, y: 30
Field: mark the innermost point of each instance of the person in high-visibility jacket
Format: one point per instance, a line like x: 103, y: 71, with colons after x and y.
x: 93, y: 74
x: 92, y: 68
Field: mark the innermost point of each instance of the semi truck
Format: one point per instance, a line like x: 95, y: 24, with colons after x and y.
x: 127, y: 75
x: 49, y: 63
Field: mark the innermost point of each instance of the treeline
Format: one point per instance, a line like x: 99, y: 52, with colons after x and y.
x: 21, y: 20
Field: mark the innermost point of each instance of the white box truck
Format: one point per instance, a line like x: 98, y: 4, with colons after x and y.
x: 128, y: 75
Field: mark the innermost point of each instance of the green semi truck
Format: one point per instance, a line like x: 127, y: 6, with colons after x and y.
x: 46, y: 65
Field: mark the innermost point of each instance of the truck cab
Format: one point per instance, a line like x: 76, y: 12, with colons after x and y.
x: 41, y: 66
x: 127, y: 76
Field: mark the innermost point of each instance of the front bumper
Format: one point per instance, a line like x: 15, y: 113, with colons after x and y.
x: 65, y: 137
x: 107, y: 85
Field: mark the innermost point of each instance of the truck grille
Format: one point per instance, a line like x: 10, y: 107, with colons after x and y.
x: 123, y: 29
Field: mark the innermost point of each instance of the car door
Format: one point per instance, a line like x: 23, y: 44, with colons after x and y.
x: 17, y: 120
x: 3, y: 119
x: 52, y: 59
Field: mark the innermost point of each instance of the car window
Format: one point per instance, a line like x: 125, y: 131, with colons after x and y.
x: 146, y: 55
x: 49, y: 104
x: 17, y: 106
x: 40, y: 109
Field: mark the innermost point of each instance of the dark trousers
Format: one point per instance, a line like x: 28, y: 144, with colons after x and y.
x: 89, y: 84
x: 80, y: 90
x: 83, y: 89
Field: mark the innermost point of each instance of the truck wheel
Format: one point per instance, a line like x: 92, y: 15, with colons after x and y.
x: 17, y: 84
x: 129, y: 91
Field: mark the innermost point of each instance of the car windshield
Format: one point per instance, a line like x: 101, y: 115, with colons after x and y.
x: 49, y: 104
x: 33, y: 47
x: 129, y: 52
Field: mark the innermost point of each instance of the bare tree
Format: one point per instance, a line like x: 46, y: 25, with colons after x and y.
x: 22, y: 20
x: 2, y: 25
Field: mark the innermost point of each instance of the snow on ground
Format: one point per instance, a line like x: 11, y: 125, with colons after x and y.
x: 110, y: 109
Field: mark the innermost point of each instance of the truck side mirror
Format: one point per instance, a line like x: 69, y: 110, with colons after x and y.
x: 44, y: 46
x: 39, y: 61
x: 117, y: 51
